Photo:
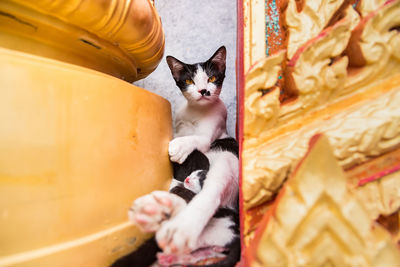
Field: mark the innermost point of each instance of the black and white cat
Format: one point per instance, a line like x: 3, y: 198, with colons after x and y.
x: 200, y: 129
x: 221, y: 235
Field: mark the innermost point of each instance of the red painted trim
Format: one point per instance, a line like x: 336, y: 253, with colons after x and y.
x: 378, y: 175
x: 240, y: 110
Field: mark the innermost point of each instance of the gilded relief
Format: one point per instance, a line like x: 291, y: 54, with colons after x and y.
x: 338, y: 74
x: 317, y: 221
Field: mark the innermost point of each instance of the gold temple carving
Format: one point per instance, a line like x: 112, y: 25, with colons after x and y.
x: 315, y: 211
x: 306, y: 19
x: 337, y: 73
x: 356, y: 135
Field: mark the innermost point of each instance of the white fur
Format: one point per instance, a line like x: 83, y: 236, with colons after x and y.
x: 217, y: 233
x: 197, y: 126
x: 200, y: 79
x: 198, y: 123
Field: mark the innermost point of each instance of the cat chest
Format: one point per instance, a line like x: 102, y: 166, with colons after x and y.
x: 186, y: 127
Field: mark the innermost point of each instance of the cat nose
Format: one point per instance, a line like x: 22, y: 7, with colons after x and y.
x: 203, y: 91
x: 187, y: 180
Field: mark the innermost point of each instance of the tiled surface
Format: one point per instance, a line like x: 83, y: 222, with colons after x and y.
x: 194, y: 30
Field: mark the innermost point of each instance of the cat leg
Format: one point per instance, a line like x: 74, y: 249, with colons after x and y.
x: 181, y: 147
x: 181, y: 233
x: 150, y: 211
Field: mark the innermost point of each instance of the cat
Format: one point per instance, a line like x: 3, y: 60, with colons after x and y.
x: 225, y: 222
x: 220, y: 235
x: 199, y: 124
x: 224, y: 225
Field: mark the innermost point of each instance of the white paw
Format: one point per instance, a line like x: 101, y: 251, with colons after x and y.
x: 178, y: 235
x: 150, y: 211
x: 179, y: 149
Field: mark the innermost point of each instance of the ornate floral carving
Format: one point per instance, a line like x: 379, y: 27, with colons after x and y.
x: 317, y: 221
x: 315, y: 71
x: 318, y: 73
x: 356, y: 134
x: 381, y: 196
x: 374, y: 46
x: 352, y: 16
x: 314, y: 75
x: 261, y: 95
x: 309, y: 22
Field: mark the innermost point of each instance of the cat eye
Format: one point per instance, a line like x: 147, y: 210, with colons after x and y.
x: 189, y: 82
x: 211, y: 79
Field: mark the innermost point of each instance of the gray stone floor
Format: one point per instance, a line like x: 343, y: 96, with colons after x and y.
x: 194, y: 30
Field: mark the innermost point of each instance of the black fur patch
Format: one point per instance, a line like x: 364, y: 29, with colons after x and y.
x: 212, y: 70
x: 232, y: 214
x: 183, y: 192
x: 187, y: 73
x: 195, y: 161
x: 226, y: 144
x: 202, y: 176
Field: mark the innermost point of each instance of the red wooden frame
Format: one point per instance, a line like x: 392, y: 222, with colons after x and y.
x: 240, y: 106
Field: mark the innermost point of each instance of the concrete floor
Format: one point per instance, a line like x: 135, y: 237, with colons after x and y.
x: 194, y: 30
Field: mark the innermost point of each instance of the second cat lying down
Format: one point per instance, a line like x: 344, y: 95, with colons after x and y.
x: 220, y: 237
x: 221, y: 233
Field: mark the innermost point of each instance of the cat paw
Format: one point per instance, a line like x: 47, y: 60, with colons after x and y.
x: 178, y: 236
x: 179, y: 149
x: 150, y: 211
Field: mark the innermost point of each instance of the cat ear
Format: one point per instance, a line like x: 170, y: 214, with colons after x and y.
x: 175, y: 66
x: 219, y: 58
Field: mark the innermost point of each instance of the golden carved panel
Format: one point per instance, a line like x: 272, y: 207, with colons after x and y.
x: 307, y: 23
x: 381, y: 196
x: 312, y: 75
x: 363, y: 131
x: 373, y: 47
x: 343, y: 83
x: 317, y: 221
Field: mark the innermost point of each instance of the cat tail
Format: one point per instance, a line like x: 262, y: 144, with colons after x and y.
x: 143, y: 256
x: 231, y: 259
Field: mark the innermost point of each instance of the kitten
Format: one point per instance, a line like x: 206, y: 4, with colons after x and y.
x: 220, y: 235
x: 222, y: 231
x: 200, y: 126
x: 195, y: 181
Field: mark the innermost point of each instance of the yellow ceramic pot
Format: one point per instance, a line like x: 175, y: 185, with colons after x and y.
x: 77, y: 146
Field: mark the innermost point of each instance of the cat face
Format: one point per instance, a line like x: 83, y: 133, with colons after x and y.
x: 194, y: 182
x: 200, y: 83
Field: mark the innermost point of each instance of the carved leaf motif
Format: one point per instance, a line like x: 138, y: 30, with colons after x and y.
x: 374, y: 46
x: 262, y: 107
x: 352, y: 16
x: 356, y: 135
x: 309, y: 22
x: 315, y: 71
x: 317, y: 221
